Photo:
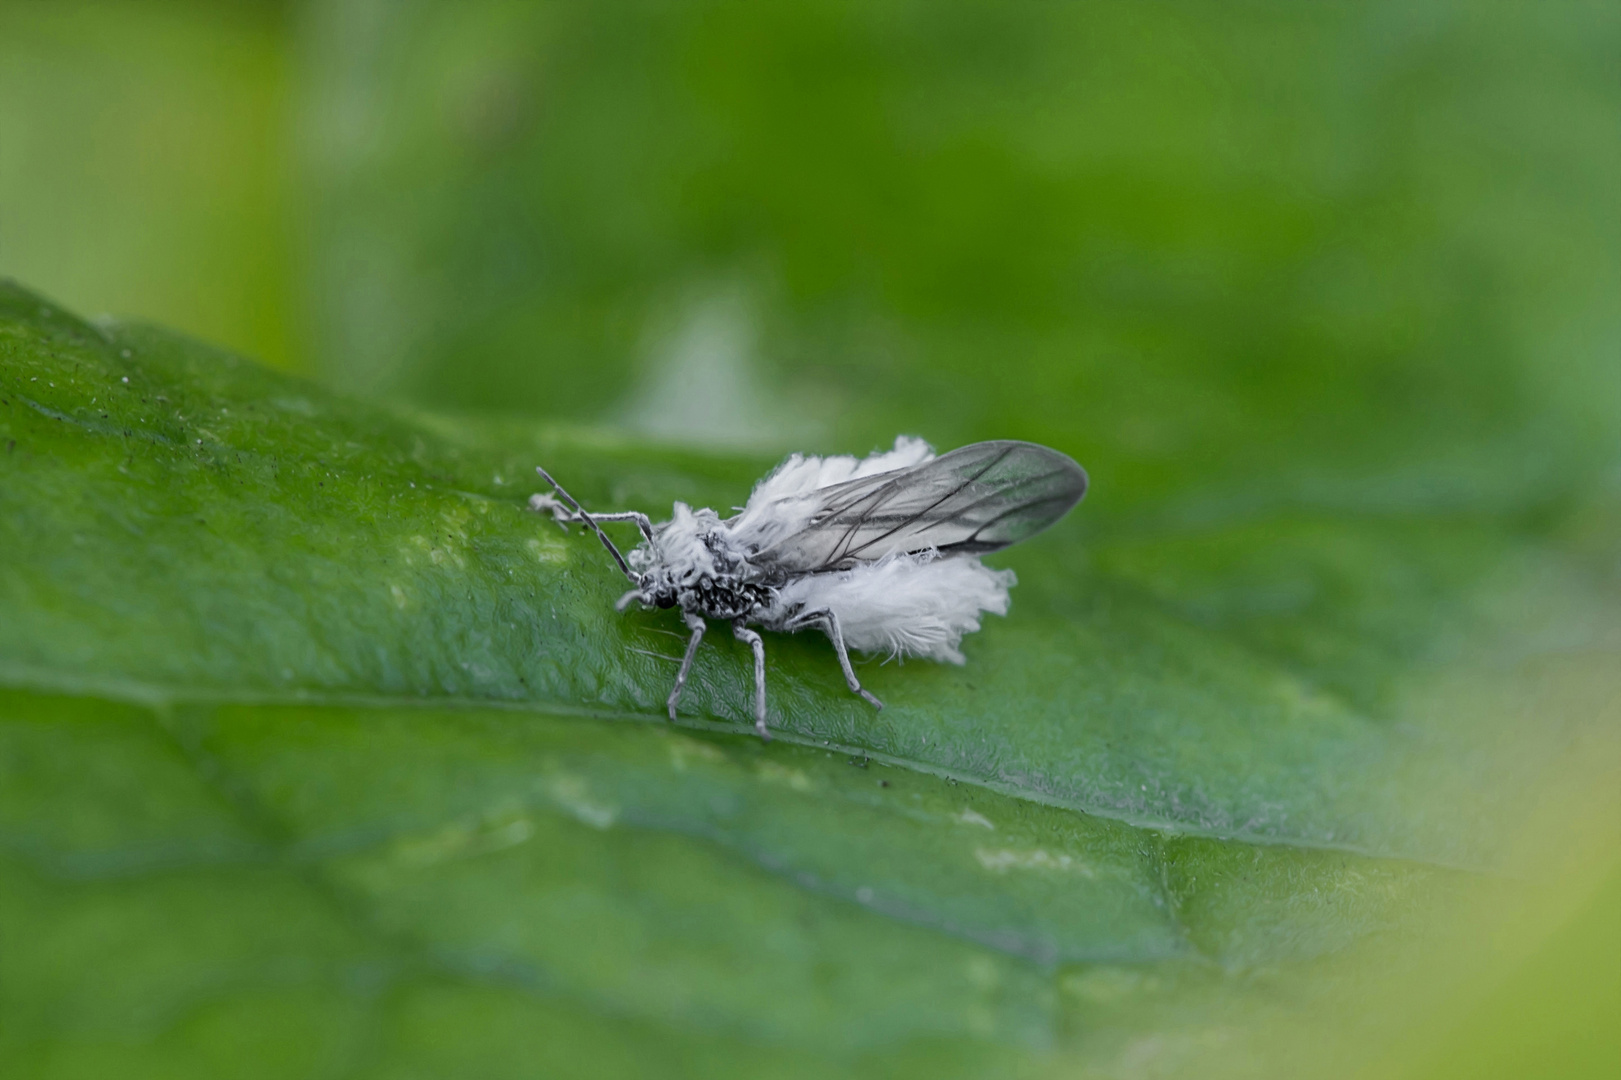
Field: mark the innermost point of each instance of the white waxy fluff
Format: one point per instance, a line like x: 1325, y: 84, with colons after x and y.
x: 779, y: 505
x: 801, y: 473
x: 905, y: 605
x: 679, y: 543
x: 916, y: 604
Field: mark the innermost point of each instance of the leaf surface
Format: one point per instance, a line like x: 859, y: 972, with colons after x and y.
x: 317, y: 737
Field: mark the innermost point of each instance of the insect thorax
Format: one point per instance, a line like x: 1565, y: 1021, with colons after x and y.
x: 693, y: 562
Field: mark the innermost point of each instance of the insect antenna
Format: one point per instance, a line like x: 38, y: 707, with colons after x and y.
x: 585, y: 517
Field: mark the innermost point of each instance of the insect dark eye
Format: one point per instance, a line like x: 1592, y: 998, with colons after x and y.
x: 666, y: 600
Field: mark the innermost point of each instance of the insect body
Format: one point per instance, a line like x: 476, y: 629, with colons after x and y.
x: 881, y: 553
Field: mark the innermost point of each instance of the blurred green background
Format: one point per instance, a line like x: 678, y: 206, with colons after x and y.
x: 1186, y: 243
x: 1363, y: 256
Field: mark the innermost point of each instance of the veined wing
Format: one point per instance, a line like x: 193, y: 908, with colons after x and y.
x: 972, y: 500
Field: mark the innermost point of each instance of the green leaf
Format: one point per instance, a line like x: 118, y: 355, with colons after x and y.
x: 320, y: 756
x: 209, y: 527
x: 320, y: 743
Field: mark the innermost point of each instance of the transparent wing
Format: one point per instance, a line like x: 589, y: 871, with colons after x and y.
x: 976, y: 499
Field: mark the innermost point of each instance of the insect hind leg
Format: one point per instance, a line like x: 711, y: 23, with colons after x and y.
x: 696, y: 624
x: 755, y: 642
x: 830, y: 623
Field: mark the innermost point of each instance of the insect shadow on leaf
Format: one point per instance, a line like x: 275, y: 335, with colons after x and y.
x: 880, y: 553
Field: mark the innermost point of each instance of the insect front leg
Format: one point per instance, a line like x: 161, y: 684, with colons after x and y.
x: 643, y: 522
x: 755, y: 642
x: 550, y: 504
x: 830, y: 623
x: 695, y: 623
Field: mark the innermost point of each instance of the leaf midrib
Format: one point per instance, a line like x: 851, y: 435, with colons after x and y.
x: 160, y: 698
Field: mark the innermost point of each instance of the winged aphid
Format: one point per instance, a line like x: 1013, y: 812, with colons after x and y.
x: 880, y: 553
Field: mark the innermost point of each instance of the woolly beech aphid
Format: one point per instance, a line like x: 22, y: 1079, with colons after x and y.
x: 880, y: 553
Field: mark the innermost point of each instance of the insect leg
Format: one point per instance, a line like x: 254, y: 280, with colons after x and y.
x: 695, y: 623
x: 830, y: 623
x: 551, y: 504
x: 754, y: 641
x: 643, y: 522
